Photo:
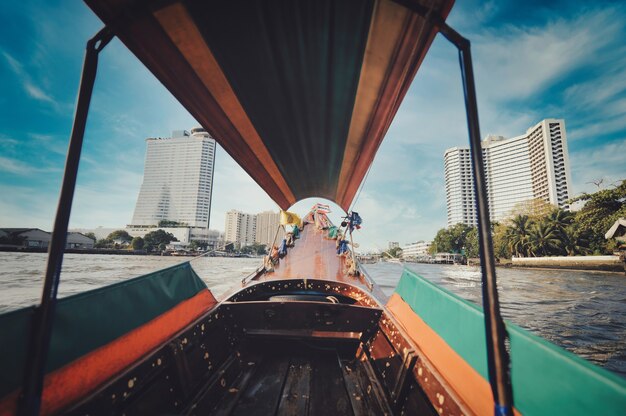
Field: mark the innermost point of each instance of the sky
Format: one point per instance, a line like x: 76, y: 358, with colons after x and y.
x: 565, y: 59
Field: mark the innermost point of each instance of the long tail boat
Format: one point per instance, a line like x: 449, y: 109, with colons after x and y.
x: 301, y: 94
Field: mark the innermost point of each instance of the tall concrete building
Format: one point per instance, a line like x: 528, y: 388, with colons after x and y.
x: 533, y: 165
x: 459, y: 186
x: 240, y: 228
x: 178, y: 180
x: 267, y: 226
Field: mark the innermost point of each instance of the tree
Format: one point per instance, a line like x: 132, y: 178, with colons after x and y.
x: 601, y: 210
x: 543, y: 239
x: 137, y: 243
x: 518, y: 235
x: 559, y: 220
x: 454, y: 239
x: 471, y: 243
x: 157, y: 239
x: 120, y: 235
x: 500, y: 241
x: 91, y: 235
x: 256, y: 248
x: 394, y: 253
x: 575, y: 241
x: 534, y: 209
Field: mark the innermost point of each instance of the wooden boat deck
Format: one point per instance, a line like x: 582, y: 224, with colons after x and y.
x: 314, y: 256
x: 303, y: 379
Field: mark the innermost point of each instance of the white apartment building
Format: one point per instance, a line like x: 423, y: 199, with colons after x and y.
x: 459, y: 186
x: 240, y: 228
x: 267, y: 226
x: 177, y: 181
x: 415, y: 250
x: 533, y: 165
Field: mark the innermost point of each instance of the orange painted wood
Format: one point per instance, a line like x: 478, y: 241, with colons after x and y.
x: 82, y: 376
x: 471, y: 387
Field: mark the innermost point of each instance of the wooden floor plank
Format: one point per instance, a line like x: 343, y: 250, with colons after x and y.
x: 358, y: 398
x: 328, y: 390
x: 297, y: 389
x: 262, y: 393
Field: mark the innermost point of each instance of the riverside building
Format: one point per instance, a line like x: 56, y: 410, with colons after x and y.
x: 240, y: 228
x: 530, y: 166
x: 268, y: 229
x: 177, y: 181
x: 177, y: 187
x: 416, y: 250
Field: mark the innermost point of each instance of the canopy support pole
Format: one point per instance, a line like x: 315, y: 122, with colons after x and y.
x: 497, y: 355
x: 43, y: 319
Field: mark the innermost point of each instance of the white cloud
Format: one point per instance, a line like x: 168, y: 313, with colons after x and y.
x: 518, y: 62
x: 606, y: 162
x: 29, y: 86
x: 18, y: 167
x: 36, y: 92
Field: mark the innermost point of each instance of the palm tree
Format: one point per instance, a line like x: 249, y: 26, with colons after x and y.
x: 544, y: 239
x: 518, y: 235
x: 574, y: 241
x: 561, y: 221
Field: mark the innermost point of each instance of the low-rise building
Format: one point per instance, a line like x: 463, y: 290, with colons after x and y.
x: 37, y: 238
x: 415, y: 250
x: 79, y: 241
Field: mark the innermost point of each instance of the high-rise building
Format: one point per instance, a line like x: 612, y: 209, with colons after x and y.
x: 531, y: 166
x: 268, y: 229
x: 177, y: 181
x: 459, y: 186
x: 240, y: 228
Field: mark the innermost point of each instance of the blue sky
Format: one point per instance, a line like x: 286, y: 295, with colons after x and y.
x: 532, y: 61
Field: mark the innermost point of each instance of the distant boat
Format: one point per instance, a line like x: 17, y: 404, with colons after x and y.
x: 300, y: 94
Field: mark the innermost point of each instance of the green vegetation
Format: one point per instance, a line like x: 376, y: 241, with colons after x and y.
x: 460, y: 238
x: 257, y: 249
x: 137, y: 243
x: 394, y: 253
x: 116, y: 240
x: 538, y: 229
x: 157, y: 240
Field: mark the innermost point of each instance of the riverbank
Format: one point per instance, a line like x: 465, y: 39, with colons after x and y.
x: 611, y: 264
x: 590, y: 263
x: 80, y: 251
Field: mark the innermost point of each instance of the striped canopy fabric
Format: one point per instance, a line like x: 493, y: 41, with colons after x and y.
x: 300, y: 93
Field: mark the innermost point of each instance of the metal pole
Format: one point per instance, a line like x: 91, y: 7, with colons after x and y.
x: 497, y: 355
x: 43, y: 319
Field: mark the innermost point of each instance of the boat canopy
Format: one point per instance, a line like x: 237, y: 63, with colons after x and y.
x: 300, y: 93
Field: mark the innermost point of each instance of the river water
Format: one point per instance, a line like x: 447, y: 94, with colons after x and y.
x: 583, y: 312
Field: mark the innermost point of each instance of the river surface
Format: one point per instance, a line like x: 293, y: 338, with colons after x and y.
x: 583, y: 312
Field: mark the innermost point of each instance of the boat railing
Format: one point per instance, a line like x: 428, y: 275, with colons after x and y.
x: 255, y: 273
x: 369, y: 282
